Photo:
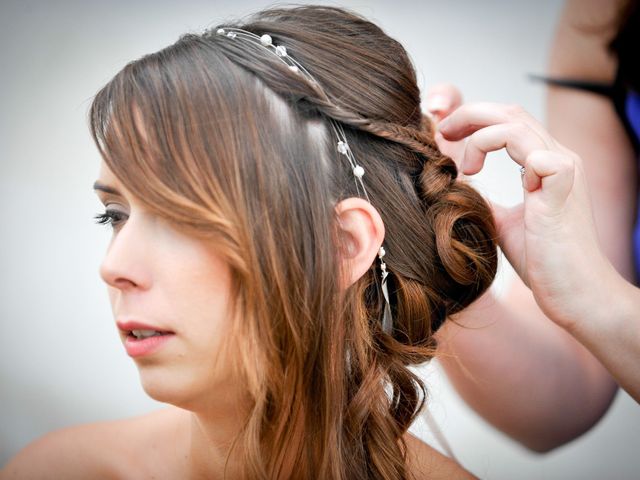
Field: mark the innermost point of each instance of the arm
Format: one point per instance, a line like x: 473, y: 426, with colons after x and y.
x: 552, y: 241
x: 524, y: 374
x: 613, y: 334
x: 589, y: 125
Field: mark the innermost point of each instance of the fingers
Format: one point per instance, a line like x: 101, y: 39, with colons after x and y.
x: 549, y: 167
x: 472, y: 117
x: 552, y: 173
x: 442, y: 99
x: 517, y: 137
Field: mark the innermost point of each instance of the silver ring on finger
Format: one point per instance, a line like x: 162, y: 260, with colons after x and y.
x: 522, y: 170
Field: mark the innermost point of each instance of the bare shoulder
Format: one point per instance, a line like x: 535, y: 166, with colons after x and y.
x: 425, y: 462
x: 110, y: 449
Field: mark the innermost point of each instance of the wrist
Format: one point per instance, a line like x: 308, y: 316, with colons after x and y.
x: 609, y: 306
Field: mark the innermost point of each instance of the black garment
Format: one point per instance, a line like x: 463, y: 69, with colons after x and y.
x: 617, y: 92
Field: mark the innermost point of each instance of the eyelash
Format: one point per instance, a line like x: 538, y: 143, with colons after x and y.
x: 110, y: 217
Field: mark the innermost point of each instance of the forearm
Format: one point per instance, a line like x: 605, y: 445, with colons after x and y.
x: 522, y: 373
x: 612, y: 333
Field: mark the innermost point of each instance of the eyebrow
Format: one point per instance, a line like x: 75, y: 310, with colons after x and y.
x: 105, y: 188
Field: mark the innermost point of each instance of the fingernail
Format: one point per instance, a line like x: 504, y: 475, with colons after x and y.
x: 524, y: 181
x: 438, y: 103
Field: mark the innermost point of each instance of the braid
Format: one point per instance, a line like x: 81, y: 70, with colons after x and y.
x: 438, y: 170
x: 411, y: 138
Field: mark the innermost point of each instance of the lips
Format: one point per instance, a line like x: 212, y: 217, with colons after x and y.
x: 128, y: 327
x: 143, y: 339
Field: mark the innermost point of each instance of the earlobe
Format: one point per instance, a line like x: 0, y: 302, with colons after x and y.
x: 362, y: 232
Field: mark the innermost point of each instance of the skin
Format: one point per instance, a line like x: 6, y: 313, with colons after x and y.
x: 159, y: 276
x: 548, y: 237
x: 566, y: 323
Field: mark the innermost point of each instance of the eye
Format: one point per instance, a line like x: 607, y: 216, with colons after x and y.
x: 112, y: 217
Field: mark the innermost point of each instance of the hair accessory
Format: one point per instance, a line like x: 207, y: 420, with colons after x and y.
x: 280, y: 52
x: 387, y: 321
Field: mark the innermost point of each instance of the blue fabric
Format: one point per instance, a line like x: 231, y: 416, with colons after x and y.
x: 632, y: 112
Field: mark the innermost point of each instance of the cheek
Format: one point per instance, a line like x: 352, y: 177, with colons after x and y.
x: 206, y: 321
x: 192, y: 290
x: 113, y: 298
x: 200, y: 366
x: 210, y: 356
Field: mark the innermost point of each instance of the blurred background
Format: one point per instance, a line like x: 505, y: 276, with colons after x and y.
x: 61, y: 361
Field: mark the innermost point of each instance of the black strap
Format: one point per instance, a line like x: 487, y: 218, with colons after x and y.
x: 598, y: 88
x: 616, y: 91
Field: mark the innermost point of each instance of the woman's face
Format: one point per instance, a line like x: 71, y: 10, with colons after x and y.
x: 162, y: 280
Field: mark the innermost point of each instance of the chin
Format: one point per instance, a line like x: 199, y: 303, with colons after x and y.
x: 169, y: 385
x: 194, y: 389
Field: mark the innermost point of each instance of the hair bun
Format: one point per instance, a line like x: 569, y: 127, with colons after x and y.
x: 464, y: 231
x: 438, y: 174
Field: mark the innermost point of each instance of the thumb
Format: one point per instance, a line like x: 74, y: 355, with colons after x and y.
x: 510, y: 228
x: 505, y: 218
x: 499, y: 211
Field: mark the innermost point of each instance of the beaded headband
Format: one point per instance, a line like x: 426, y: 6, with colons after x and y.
x: 342, y: 146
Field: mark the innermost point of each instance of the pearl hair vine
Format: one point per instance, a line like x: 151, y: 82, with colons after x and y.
x: 342, y: 146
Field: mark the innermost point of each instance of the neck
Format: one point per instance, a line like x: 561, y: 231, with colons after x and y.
x: 213, y: 431
x: 214, y: 452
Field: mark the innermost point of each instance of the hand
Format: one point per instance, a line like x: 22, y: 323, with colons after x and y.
x: 442, y: 99
x: 550, y: 239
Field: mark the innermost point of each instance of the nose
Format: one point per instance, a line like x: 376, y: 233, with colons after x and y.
x: 125, y: 264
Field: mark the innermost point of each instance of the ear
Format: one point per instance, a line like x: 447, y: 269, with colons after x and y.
x: 362, y: 231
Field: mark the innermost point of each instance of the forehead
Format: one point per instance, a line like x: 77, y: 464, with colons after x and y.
x: 106, y: 176
x: 108, y: 184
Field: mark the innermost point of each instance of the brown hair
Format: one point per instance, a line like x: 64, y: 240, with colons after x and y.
x: 237, y: 149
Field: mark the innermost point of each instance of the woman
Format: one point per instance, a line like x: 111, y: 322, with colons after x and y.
x: 578, y: 266
x: 581, y: 276
x: 245, y: 270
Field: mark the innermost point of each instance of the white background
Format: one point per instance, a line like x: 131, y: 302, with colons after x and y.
x: 61, y: 362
